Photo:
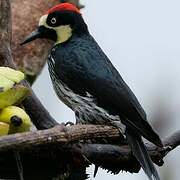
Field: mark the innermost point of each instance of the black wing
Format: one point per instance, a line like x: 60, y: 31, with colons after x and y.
x: 85, y: 68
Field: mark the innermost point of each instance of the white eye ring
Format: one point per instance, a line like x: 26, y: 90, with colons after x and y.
x: 53, y: 20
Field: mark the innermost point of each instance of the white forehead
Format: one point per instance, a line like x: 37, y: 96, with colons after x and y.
x: 42, y: 20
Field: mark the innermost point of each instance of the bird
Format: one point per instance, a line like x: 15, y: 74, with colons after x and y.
x: 14, y: 119
x: 86, y: 81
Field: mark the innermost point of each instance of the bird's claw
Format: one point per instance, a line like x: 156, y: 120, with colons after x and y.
x: 160, y: 162
x: 166, y: 149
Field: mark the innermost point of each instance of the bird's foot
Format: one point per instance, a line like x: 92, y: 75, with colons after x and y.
x: 159, y: 162
x: 166, y: 149
x: 163, y: 151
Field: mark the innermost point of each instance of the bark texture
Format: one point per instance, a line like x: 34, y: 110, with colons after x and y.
x: 61, y: 151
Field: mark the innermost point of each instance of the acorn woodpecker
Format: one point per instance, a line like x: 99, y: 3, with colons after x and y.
x: 87, y: 82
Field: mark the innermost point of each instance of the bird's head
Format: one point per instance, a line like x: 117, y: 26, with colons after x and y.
x: 15, y: 119
x: 59, y: 24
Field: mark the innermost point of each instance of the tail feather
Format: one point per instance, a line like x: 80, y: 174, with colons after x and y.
x: 145, y: 130
x: 140, y: 152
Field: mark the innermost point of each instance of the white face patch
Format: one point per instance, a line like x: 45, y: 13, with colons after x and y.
x: 64, y: 32
x: 42, y: 20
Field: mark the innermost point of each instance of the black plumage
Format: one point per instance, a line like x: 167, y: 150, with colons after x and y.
x: 96, y: 92
x: 82, y: 66
x: 86, y: 81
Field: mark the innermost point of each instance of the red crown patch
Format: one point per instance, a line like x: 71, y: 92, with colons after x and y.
x: 64, y: 6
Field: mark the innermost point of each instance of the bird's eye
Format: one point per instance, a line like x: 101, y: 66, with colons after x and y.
x: 53, y: 20
x: 16, y: 121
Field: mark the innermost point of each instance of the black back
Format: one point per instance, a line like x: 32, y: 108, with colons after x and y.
x: 83, y: 67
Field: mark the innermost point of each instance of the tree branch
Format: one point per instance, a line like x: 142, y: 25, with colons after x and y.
x: 5, y: 33
x: 21, y: 141
x: 70, y: 148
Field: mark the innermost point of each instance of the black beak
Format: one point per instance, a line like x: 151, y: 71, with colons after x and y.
x: 34, y: 35
x: 41, y: 32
